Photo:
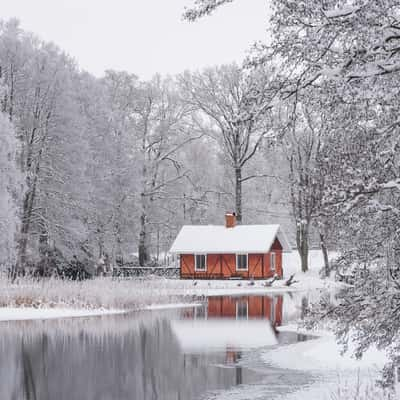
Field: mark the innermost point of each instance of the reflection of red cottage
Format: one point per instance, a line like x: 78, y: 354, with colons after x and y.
x: 230, y: 251
x: 246, y: 307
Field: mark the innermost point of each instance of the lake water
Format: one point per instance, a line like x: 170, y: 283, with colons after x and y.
x: 188, y: 353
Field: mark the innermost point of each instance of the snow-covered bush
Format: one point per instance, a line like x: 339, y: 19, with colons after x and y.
x: 108, y: 293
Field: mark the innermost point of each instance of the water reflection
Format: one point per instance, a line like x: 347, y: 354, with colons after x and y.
x: 230, y: 324
x: 240, y: 308
x: 138, y: 356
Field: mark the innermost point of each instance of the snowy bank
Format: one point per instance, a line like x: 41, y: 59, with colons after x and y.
x: 167, y: 306
x: 337, y: 376
x: 100, y: 293
x: 321, y: 354
x: 29, y: 313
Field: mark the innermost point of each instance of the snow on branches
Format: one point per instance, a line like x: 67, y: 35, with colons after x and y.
x: 202, y: 8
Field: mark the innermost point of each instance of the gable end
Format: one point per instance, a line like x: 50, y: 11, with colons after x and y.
x: 276, y: 245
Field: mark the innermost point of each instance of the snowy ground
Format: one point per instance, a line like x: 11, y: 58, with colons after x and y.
x: 337, y: 376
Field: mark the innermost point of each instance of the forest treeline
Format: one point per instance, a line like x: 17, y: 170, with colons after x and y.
x: 112, y: 167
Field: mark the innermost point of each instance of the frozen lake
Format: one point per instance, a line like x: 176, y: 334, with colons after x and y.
x: 210, y: 351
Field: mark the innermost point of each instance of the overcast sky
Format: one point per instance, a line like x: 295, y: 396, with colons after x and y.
x: 142, y: 36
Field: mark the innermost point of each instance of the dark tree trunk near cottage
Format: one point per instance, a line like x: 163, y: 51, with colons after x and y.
x: 325, y: 254
x: 44, y: 266
x: 238, y: 195
x: 143, y: 249
x: 302, y: 244
x: 119, y: 258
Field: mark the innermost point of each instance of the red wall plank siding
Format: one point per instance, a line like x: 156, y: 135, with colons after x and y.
x: 223, y: 266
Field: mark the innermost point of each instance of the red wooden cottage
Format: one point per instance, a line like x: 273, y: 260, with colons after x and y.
x: 230, y: 251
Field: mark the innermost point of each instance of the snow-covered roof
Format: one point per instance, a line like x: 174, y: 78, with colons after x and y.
x: 222, y: 334
x: 215, y: 239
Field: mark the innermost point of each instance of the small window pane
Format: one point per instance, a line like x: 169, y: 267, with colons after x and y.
x: 200, y: 262
x: 241, y: 261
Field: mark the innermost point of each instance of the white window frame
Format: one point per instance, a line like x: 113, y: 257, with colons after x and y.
x: 237, y: 310
x: 247, y: 262
x: 205, y: 262
x: 272, y: 265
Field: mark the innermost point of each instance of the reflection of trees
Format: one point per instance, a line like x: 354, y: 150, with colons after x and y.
x: 143, y: 363
x: 28, y: 380
x: 304, y: 307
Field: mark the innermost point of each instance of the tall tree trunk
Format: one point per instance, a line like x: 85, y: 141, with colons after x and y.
x: 143, y: 249
x: 238, y: 194
x: 44, y: 252
x: 24, y: 232
x: 324, y: 253
x: 119, y: 258
x: 30, y: 195
x: 302, y: 244
x: 158, y: 243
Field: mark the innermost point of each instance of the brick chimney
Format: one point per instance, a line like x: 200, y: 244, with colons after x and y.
x: 230, y: 220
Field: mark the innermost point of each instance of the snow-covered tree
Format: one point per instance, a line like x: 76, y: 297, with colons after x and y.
x: 346, y: 55
x: 11, y: 190
x: 302, y: 145
x: 163, y: 126
x: 234, y: 104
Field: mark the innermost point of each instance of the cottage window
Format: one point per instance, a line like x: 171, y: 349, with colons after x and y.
x: 200, y: 262
x: 241, y: 262
x: 242, y: 310
x: 273, y: 262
